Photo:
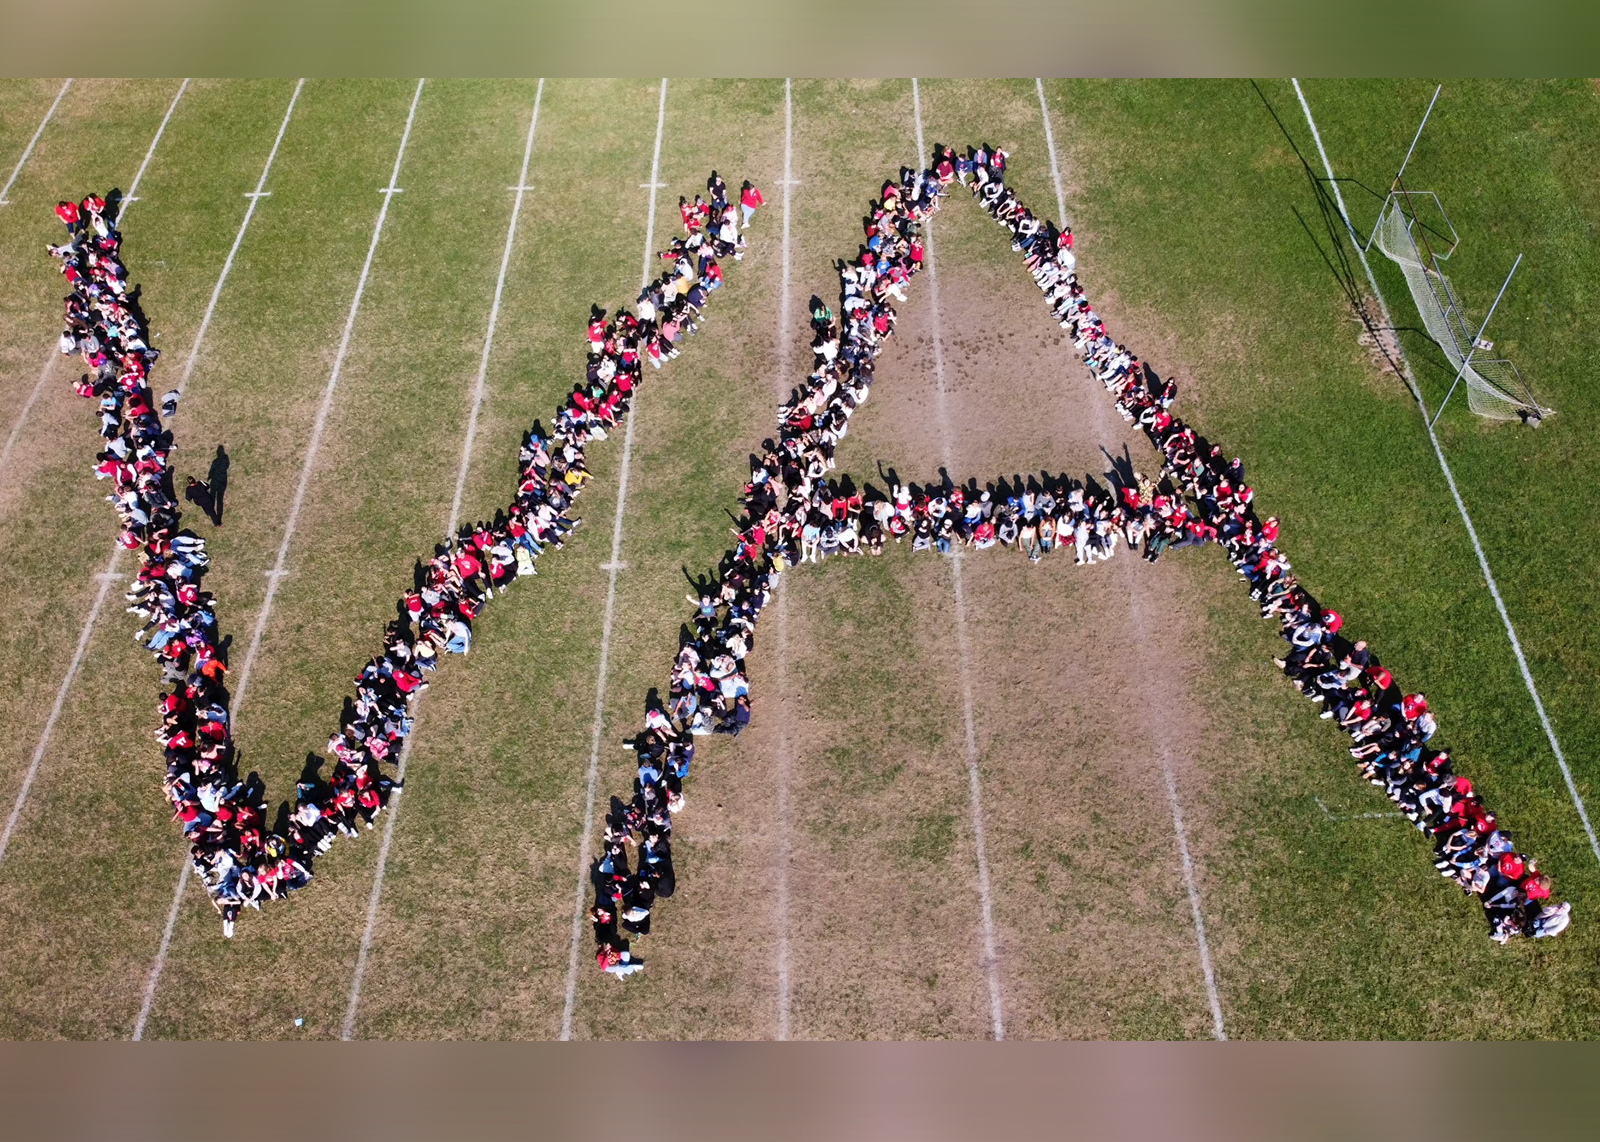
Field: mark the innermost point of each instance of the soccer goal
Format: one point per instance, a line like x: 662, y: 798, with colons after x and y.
x: 1415, y: 233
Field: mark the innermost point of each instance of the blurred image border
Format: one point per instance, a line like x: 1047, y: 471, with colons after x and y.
x: 836, y: 1091
x: 813, y: 38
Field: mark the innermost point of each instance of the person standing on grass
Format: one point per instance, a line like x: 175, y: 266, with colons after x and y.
x: 750, y: 201
x: 198, y: 493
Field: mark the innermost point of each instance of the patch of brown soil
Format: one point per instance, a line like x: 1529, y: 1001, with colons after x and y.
x: 1082, y: 695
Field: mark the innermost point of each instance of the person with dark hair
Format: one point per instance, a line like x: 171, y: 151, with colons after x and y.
x: 198, y: 493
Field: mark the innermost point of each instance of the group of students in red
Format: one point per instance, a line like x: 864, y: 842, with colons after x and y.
x: 709, y: 688
x: 795, y: 512
x: 1390, y: 729
x: 240, y: 858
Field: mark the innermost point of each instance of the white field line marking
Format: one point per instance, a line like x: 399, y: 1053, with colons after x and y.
x: 1050, y: 145
x: 133, y: 187
x: 991, y: 959
x: 227, y: 264
x: 783, y: 759
x: 1185, y: 860
x: 277, y: 574
x: 156, y: 968
x: 1332, y: 816
x: 106, y: 578
x: 611, y: 605
x: 50, y: 356
x: 317, y: 429
x: 354, y: 1004
x: 28, y: 150
x: 109, y: 575
x: 1455, y: 494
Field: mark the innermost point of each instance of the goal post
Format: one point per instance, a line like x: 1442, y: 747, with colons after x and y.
x: 1415, y: 233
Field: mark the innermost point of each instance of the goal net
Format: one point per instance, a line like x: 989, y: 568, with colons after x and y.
x: 1495, y: 389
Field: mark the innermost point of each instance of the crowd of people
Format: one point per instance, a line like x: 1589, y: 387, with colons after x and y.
x: 1211, y: 501
x: 796, y: 512
x: 242, y: 859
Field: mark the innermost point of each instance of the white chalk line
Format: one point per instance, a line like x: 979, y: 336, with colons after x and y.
x: 227, y: 264
x: 655, y: 184
x: 1455, y: 494
x: 106, y: 577
x: 33, y: 142
x: 50, y: 356
x: 782, y: 671
x: 353, y: 1006
x: 991, y: 959
x: 1207, y: 973
x: 318, y: 428
x: 277, y: 573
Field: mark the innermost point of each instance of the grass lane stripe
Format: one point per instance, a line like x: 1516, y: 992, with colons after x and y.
x: 1208, y: 975
x: 991, y: 959
x: 106, y: 577
x: 615, y: 564
x: 227, y: 264
x: 783, y: 759
x: 1050, y: 145
x: 53, y: 352
x: 353, y: 1006
x: 1455, y: 494
x: 276, y: 575
x: 28, y: 150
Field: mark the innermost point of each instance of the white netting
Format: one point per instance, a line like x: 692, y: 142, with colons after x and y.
x: 1494, y: 387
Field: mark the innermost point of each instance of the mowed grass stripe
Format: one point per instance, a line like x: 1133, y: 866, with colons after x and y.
x: 378, y: 495
x: 498, y: 814
x: 710, y: 964
x: 476, y: 404
x: 15, y: 93
x: 963, y: 651
x: 85, y: 910
x: 240, y: 680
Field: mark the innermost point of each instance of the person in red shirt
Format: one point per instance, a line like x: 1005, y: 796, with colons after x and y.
x: 750, y: 201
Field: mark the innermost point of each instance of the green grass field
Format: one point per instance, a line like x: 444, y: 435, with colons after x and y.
x: 1184, y: 196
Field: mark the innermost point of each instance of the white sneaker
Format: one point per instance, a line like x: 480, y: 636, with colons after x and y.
x: 227, y: 929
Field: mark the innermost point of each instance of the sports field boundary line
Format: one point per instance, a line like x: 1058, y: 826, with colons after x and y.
x: 276, y: 575
x: 50, y: 356
x: 615, y: 563
x: 991, y: 959
x: 783, y: 766
x: 353, y: 1006
x: 1455, y: 492
x: 33, y: 142
x: 1185, y: 860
